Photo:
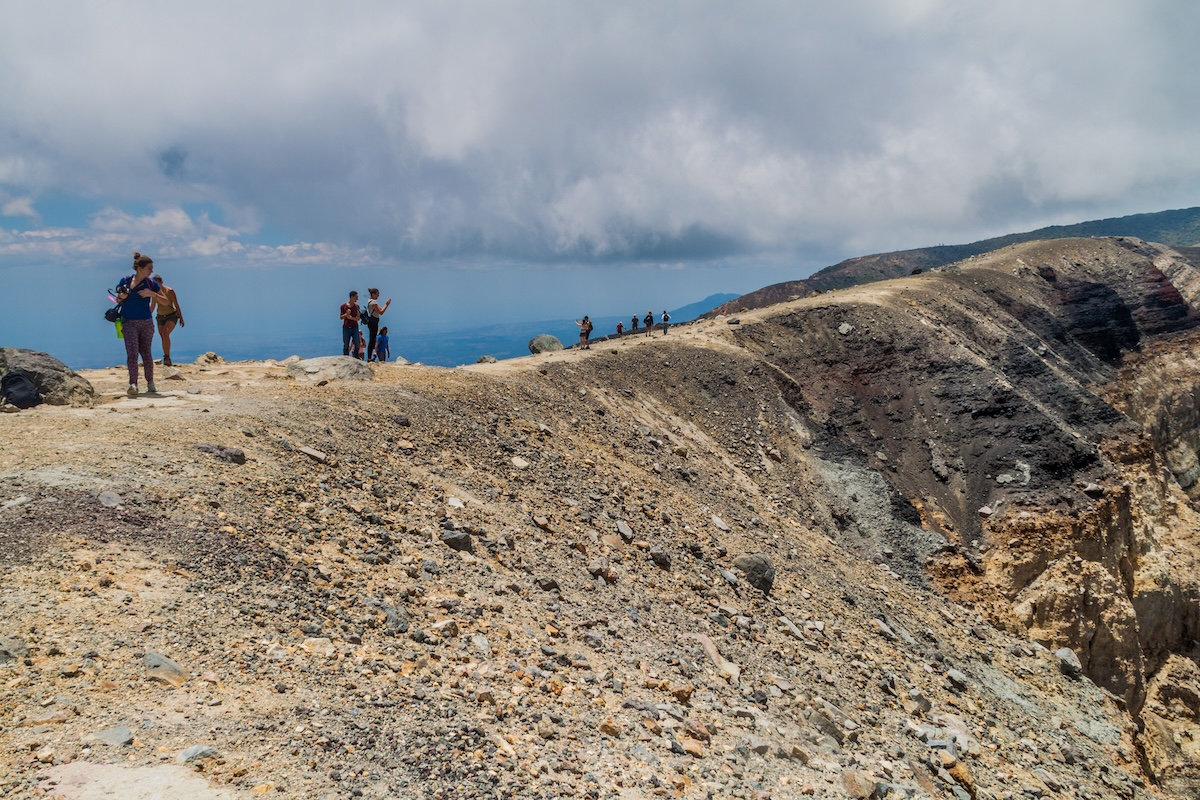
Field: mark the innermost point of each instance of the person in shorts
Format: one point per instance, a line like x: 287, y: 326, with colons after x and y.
x: 350, y: 319
x: 585, y: 330
x: 167, y: 315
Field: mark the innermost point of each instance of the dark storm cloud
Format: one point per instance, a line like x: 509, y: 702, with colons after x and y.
x: 599, y: 132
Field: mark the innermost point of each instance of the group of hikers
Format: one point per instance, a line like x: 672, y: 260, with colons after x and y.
x: 144, y: 303
x: 586, y: 327
x: 377, y: 347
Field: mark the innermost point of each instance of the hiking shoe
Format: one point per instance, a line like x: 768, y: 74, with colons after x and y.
x: 167, y: 361
x: 150, y: 388
x: 132, y: 390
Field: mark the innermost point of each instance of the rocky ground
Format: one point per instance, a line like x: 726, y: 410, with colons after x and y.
x: 717, y: 563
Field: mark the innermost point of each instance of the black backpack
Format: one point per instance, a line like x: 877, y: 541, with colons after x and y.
x: 19, y: 389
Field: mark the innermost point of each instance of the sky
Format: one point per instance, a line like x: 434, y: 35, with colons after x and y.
x: 493, y: 161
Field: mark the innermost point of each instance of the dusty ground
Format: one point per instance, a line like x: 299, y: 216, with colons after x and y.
x: 519, y: 579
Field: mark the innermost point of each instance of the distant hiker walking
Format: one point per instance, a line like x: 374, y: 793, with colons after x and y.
x: 137, y: 293
x: 585, y: 330
x: 620, y: 328
x: 167, y: 314
x: 633, y: 324
x: 666, y: 321
x: 649, y: 320
x: 374, y: 312
x: 350, y: 319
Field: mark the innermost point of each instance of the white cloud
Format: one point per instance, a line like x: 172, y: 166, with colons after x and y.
x: 169, y: 233
x: 624, y: 130
x: 19, y: 207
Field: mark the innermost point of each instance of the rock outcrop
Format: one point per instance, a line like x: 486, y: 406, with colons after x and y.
x: 544, y: 343
x: 330, y: 368
x: 58, y: 383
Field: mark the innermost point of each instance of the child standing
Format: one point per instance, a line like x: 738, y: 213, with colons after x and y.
x: 383, y: 350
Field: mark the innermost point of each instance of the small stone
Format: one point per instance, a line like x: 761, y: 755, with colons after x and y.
x: 546, y: 584
x: 49, y: 716
x: 446, y: 629
x: 660, y: 557
x: 197, y: 752
x: 610, y: 728
x: 845, y: 328
x: 697, y: 730
x: 233, y: 455
x: 543, y: 523
x: 858, y: 784
x: 600, y: 568
x: 683, y: 693
x: 12, y: 648
x: 693, y: 747
x: 161, y: 668
x: 1068, y: 662
x: 958, y: 679
x: 720, y: 523
x: 459, y: 540
x: 625, y: 531
x: 315, y: 455
x: 1048, y: 778
x: 759, y: 571
x: 114, y: 737
x: 883, y: 630
x: 916, y: 702
x: 520, y: 463
x: 109, y: 499
x: 319, y: 646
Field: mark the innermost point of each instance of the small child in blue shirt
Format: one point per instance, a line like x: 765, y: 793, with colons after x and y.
x: 382, y: 351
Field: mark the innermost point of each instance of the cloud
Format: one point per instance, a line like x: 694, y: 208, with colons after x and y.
x: 19, y: 207
x: 170, y: 233
x: 661, y: 132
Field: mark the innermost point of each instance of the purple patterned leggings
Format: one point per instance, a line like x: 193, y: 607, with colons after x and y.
x: 139, y: 335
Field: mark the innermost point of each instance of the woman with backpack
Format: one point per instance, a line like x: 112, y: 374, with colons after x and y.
x: 374, y: 312
x: 137, y: 294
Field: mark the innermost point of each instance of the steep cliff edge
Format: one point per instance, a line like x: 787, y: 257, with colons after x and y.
x: 1038, y: 407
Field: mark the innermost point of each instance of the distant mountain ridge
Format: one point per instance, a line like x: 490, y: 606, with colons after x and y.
x: 1178, y: 228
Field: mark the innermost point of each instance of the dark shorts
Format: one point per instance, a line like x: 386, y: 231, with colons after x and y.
x: 163, y: 319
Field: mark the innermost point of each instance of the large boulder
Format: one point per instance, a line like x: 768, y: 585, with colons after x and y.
x: 331, y: 368
x: 59, y: 384
x: 544, y: 343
